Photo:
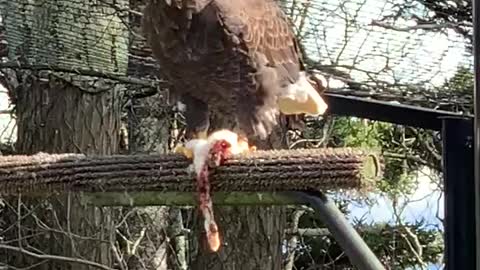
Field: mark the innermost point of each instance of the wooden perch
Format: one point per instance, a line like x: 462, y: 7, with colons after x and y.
x: 261, y: 171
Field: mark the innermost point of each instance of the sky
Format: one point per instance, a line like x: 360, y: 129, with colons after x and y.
x: 412, y: 56
x: 6, y: 123
x: 425, y: 203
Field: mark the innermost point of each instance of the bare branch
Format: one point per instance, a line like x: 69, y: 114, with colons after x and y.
x: 292, y: 242
x: 309, y: 232
x: 415, y: 247
x: 426, y: 26
x: 412, y: 158
x: 86, y: 72
x: 54, y: 257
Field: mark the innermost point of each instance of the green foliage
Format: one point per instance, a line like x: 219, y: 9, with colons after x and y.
x: 399, y: 246
x: 353, y: 132
x: 406, y: 150
x: 404, y: 246
x: 461, y: 82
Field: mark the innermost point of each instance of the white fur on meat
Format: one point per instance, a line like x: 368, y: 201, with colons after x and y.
x: 201, y: 147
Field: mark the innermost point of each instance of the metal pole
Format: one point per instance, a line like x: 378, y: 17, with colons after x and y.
x: 476, y: 97
x: 385, y: 111
x: 347, y: 237
x: 458, y: 172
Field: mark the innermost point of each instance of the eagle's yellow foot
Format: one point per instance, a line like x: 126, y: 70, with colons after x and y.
x: 245, y: 148
x: 202, y: 135
x: 188, y: 151
x: 182, y: 150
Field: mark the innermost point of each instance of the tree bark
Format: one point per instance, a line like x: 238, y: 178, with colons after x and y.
x: 251, y: 239
x: 55, y: 116
x: 58, y: 112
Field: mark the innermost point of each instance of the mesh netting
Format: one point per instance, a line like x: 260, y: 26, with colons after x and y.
x: 374, y: 52
x: 363, y: 45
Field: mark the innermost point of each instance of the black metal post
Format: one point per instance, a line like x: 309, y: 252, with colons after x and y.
x: 347, y: 237
x: 458, y: 170
x: 476, y: 100
x: 384, y: 111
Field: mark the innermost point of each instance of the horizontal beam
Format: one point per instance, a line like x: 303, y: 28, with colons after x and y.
x: 387, y: 112
x: 149, y: 198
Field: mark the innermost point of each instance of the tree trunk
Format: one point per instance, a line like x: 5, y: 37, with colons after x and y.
x: 251, y: 239
x: 55, y: 116
x: 59, y: 113
x: 148, y: 120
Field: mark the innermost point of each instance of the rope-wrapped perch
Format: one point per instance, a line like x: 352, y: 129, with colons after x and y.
x: 285, y: 170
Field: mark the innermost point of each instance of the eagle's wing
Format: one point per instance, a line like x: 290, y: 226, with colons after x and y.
x: 265, y: 34
x: 264, y: 31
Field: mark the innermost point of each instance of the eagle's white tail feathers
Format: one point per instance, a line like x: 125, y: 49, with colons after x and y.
x: 301, y: 97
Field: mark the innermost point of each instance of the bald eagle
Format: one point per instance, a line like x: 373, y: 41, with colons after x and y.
x: 238, y: 58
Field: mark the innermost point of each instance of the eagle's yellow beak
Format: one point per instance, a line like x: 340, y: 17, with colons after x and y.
x: 301, y: 97
x: 314, y: 105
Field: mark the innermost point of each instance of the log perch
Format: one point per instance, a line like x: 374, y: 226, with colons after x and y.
x: 261, y: 171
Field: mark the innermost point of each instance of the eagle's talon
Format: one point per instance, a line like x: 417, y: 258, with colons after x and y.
x: 191, y: 170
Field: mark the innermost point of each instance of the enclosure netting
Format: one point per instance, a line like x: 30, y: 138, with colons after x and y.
x: 378, y: 49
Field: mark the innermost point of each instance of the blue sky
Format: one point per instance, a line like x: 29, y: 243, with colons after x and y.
x: 413, y: 56
x: 426, y: 203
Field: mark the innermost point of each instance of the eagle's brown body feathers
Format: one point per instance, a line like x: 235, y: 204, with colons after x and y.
x: 228, y: 56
